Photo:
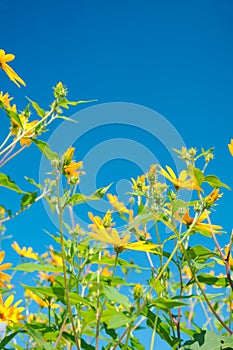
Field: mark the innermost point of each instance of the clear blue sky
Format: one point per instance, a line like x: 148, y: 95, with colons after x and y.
x: 172, y: 56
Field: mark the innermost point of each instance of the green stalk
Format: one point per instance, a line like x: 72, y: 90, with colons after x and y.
x: 152, y: 342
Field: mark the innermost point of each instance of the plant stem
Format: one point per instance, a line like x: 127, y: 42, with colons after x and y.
x: 154, y: 331
x: 60, y: 212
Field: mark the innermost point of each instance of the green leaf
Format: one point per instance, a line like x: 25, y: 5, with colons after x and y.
x: 212, y: 280
x: 7, y: 339
x: 214, y: 182
x: 135, y: 342
x: 166, y: 304
x: 31, y: 181
x: 208, y: 340
x: 65, y: 103
x: 64, y: 199
x: 198, y: 174
x: 113, y: 294
x: 28, y: 199
x: 45, y: 149
x: 37, y: 337
x: 38, y: 109
x: 162, y: 328
x: 58, y: 293
x: 79, y: 198
x: 32, y: 267
x: 14, y: 117
x: 118, y: 320
x: 5, y: 181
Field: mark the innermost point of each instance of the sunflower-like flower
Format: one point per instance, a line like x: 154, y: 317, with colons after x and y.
x: 72, y: 169
x: 112, y: 237
x: 5, y: 99
x: 24, y: 252
x: 99, y: 223
x: 119, y: 206
x: 4, y: 277
x: 56, y: 260
x: 212, y: 197
x: 10, y: 313
x: 230, y: 146
x: 42, y: 302
x: 140, y: 183
x: 200, y: 226
x: 9, y: 71
x: 26, y: 127
x: 183, y: 181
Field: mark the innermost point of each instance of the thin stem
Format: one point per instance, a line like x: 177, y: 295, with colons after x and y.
x: 6, y: 139
x: 3, y: 162
x: 26, y: 132
x: 7, y: 154
x: 152, y: 342
x: 203, y: 293
x: 225, y: 259
x: 98, y: 311
x: 61, y: 331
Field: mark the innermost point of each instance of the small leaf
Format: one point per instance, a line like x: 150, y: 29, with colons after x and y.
x: 31, y: 181
x: 45, y: 149
x: 38, y: 109
x: 79, y: 198
x: 212, y: 280
x: 5, y: 181
x: 64, y: 199
x: 28, y: 199
x: 14, y: 117
x: 214, y: 182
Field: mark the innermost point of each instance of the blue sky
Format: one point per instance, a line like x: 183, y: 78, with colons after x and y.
x: 174, y: 57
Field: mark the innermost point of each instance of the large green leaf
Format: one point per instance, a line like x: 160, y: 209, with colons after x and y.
x: 5, y: 181
x: 212, y: 280
x: 32, y: 267
x: 79, y: 198
x: 166, y: 304
x: 37, y: 337
x: 59, y: 293
x: 113, y: 294
x: 45, y: 149
x: 117, y: 320
x: 214, y: 182
x: 7, y: 339
x: 208, y: 340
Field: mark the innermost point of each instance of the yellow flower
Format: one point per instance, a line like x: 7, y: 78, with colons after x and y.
x: 46, y: 277
x: 119, y: 206
x: 16, y: 127
x: 99, y: 223
x: 230, y: 146
x: 9, y: 71
x: 56, y: 259
x: 72, y: 169
x: 40, y: 301
x: 24, y: 252
x: 140, y: 183
x: 68, y: 155
x: 213, y: 197
x: 5, y: 99
x: 200, y: 225
x: 111, y: 236
x: 35, y: 318
x: 10, y: 313
x: 4, y: 278
x: 182, y: 182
